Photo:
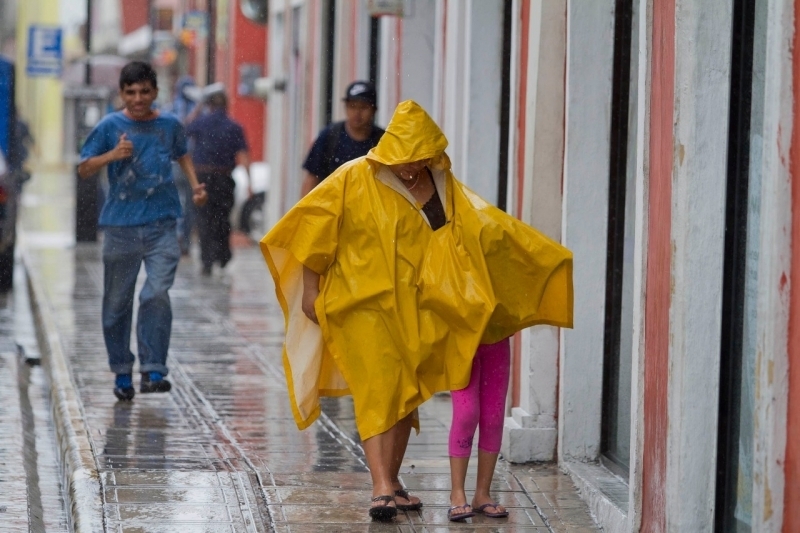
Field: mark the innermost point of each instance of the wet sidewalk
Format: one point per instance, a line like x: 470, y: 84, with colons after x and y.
x: 221, y: 452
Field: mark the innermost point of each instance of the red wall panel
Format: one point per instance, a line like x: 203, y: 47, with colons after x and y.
x: 791, y: 509
x: 134, y: 15
x: 656, y: 365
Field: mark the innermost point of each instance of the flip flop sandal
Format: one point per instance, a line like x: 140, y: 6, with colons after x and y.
x: 500, y: 514
x: 383, y: 513
x: 403, y: 493
x: 460, y: 517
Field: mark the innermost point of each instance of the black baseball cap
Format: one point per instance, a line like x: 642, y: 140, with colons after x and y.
x: 361, y: 90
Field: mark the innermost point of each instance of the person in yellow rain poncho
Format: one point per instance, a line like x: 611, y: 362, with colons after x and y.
x: 390, y: 274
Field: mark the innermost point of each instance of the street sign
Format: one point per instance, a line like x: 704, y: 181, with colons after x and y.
x: 44, y: 51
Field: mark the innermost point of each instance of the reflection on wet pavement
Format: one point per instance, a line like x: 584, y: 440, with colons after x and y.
x: 221, y: 452
x: 30, y: 485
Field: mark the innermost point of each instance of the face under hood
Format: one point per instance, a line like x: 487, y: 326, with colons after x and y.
x: 411, y: 135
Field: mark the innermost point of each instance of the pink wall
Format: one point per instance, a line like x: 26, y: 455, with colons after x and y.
x: 247, y: 43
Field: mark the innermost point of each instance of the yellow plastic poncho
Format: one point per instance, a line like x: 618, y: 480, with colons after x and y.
x: 402, y: 308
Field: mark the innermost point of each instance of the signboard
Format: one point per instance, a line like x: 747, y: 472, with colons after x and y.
x: 379, y: 8
x: 194, y: 27
x: 45, y: 51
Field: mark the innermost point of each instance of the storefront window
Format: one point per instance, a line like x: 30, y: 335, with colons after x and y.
x: 742, y: 241
x: 618, y: 335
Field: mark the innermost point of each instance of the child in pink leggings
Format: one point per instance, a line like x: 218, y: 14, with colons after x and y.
x: 482, y: 404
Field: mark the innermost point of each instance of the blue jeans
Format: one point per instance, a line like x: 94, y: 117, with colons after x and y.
x: 124, y: 250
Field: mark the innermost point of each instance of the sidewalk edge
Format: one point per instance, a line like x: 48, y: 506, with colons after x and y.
x: 79, y: 473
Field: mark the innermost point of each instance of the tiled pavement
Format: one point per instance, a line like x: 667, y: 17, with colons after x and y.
x: 221, y: 451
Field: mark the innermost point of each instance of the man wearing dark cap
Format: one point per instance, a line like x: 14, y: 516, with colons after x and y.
x: 343, y: 141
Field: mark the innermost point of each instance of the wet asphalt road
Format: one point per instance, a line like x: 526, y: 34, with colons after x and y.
x: 221, y: 452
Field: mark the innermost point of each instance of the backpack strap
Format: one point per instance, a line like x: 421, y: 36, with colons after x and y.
x: 331, y: 142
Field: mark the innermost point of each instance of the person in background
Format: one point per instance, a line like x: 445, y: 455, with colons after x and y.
x: 182, y: 106
x: 220, y: 146
x: 343, y: 141
x: 19, y: 149
x: 138, y: 217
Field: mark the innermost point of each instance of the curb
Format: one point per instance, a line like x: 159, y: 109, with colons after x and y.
x: 78, y: 471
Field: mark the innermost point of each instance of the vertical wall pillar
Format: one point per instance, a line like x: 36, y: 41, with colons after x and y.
x: 468, y: 111
x: 530, y: 433
x: 699, y: 166
x: 590, y: 50
x: 791, y: 498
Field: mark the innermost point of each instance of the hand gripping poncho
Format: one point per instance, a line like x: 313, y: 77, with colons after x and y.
x: 402, y: 308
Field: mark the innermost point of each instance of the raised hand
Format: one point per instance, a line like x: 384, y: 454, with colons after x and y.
x: 123, y: 149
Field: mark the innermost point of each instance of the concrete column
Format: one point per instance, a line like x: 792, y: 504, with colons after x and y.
x: 773, y: 508
x: 702, y: 89
x: 530, y: 433
x: 467, y: 91
x: 590, y: 51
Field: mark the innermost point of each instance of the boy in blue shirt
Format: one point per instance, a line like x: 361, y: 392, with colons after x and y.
x: 138, y: 144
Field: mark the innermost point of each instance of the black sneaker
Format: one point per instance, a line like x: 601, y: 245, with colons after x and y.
x: 154, y: 385
x: 124, y: 394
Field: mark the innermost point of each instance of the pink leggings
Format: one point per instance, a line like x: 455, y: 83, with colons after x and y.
x: 483, y: 401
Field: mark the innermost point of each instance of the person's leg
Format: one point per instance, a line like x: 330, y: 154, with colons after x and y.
x: 122, y: 258
x: 496, y: 361
x: 227, y: 199
x: 403, y: 500
x: 378, y: 451
x: 462, y: 431
x: 204, y: 225
x: 155, y: 312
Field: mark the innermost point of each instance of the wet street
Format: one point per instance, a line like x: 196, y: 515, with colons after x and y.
x: 221, y: 452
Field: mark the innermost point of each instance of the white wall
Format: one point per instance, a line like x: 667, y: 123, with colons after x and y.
x: 468, y: 50
x: 702, y: 88
x: 531, y: 432
x: 774, y: 261
x: 589, y: 68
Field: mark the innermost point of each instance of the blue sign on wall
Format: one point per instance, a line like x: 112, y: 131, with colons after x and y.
x: 44, y: 51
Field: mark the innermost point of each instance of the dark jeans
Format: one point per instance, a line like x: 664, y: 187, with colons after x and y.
x: 125, y: 248
x: 213, y: 220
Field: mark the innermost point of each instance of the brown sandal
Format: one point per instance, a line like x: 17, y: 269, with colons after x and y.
x: 403, y: 493
x: 383, y: 513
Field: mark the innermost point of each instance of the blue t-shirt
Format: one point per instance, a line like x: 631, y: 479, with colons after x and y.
x: 218, y: 139
x: 141, y: 188
x: 346, y: 149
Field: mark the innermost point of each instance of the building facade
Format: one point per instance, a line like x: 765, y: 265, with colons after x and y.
x: 658, y: 141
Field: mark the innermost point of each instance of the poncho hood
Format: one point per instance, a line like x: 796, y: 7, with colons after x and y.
x: 411, y: 135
